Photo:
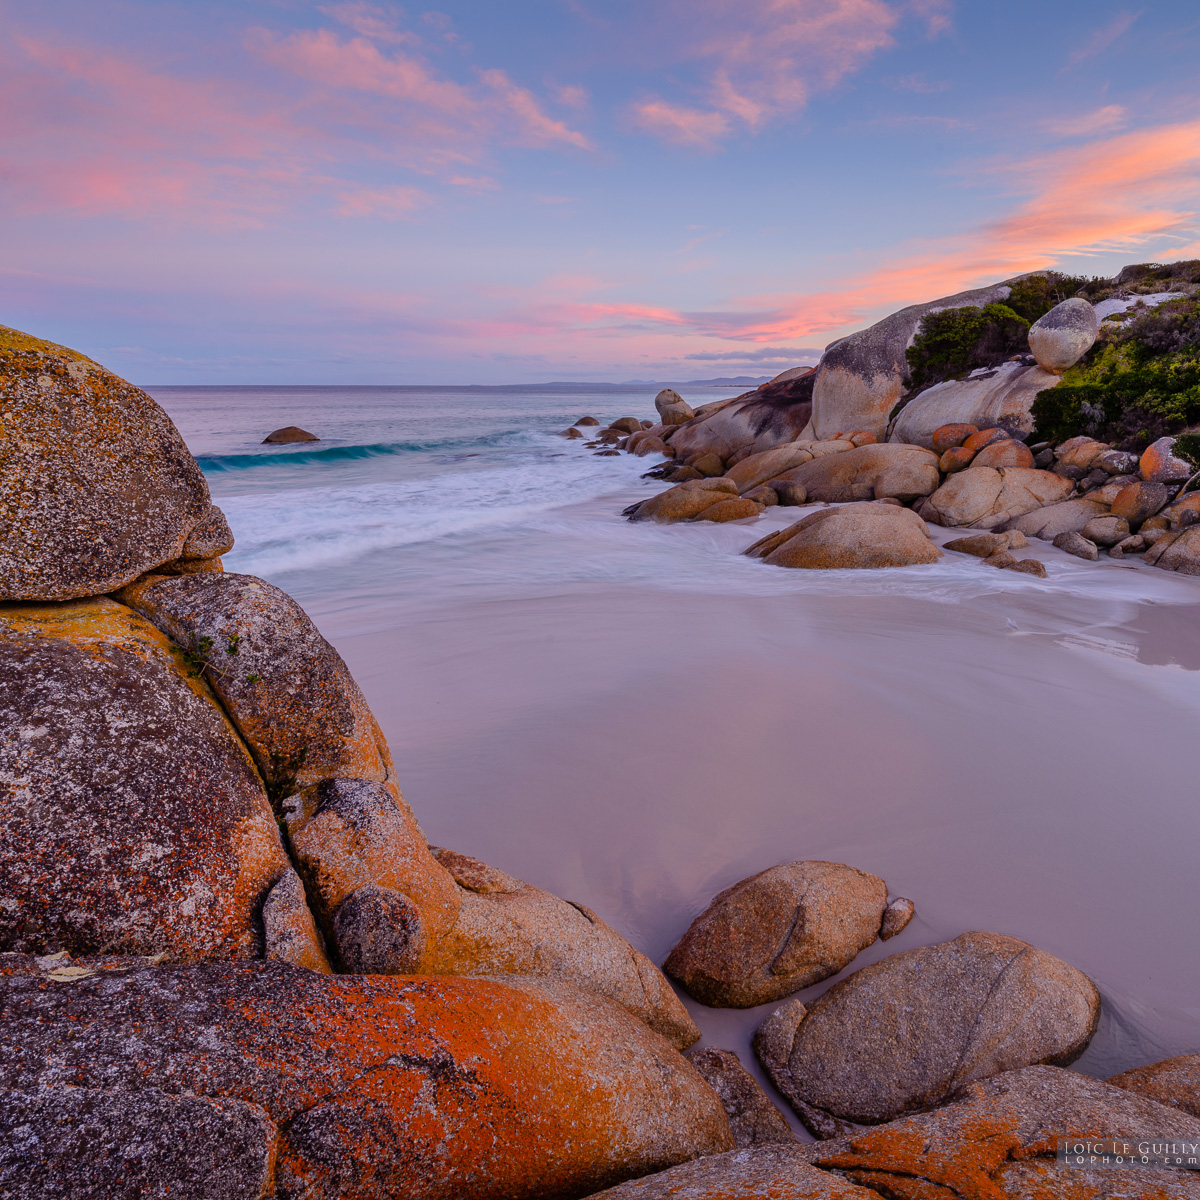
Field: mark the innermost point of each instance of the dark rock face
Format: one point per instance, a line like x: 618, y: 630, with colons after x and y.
x: 755, y: 1121
x: 758, y: 420
x: 997, y: 1138
x: 131, y: 817
x: 283, y: 685
x: 87, y: 1144
x: 1174, y: 1082
x: 778, y: 931
x: 287, y: 435
x: 96, y: 485
x: 861, y: 377
x: 378, y: 932
x: 427, y: 1089
x: 903, y: 1034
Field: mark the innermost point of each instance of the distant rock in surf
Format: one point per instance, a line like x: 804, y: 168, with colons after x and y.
x: 287, y: 435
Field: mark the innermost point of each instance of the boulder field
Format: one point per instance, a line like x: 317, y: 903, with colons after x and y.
x: 232, y: 965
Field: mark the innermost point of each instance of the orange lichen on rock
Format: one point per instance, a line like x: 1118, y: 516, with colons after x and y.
x: 132, y: 819
x: 96, y: 485
x: 413, y: 1088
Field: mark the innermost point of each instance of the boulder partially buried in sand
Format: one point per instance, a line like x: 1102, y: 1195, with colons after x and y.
x: 96, y: 485
x: 905, y: 1033
x: 777, y: 932
x: 857, y: 535
x: 987, y: 497
x: 371, y: 1085
x: 132, y: 819
x: 868, y: 473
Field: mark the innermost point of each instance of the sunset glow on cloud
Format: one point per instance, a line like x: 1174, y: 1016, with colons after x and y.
x: 565, y: 190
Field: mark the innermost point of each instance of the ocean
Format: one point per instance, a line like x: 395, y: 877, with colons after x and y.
x: 636, y: 716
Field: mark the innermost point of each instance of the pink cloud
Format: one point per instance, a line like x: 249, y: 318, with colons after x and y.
x: 381, y: 202
x: 1103, y: 120
x: 766, y: 57
x: 679, y: 125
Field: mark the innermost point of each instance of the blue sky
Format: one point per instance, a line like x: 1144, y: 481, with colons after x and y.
x: 278, y: 191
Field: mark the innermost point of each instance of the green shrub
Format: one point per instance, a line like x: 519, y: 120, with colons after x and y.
x: 1035, y: 296
x: 954, y: 341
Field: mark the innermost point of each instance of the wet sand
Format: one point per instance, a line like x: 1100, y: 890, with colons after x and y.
x: 1016, y: 758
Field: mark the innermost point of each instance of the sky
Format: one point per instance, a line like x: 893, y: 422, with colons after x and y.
x: 278, y: 191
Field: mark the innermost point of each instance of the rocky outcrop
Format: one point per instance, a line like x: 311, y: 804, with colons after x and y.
x: 754, y: 1120
x: 868, y: 473
x: 1064, y: 335
x: 1177, y: 551
x: 288, y: 435
x: 996, y: 396
x: 1139, y: 501
x: 771, y: 416
x: 673, y: 409
x: 96, y: 485
x: 132, y: 819
x: 91, y: 1144
x: 374, y: 1086
x: 905, y: 1033
x: 860, y: 536
x: 777, y: 932
x: 1174, y: 1082
x: 988, y: 497
x: 998, y: 1138
x: 284, y: 686
x: 862, y: 377
x: 761, y: 1173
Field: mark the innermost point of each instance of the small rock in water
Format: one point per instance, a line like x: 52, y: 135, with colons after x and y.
x: 626, y: 425
x: 587, y: 421
x: 1001, y: 558
x: 607, y: 454
x: 572, y: 432
x: 896, y: 917
x: 1029, y: 566
x: 287, y: 435
x: 729, y: 510
x: 1078, y: 545
x: 682, y: 475
x: 982, y: 545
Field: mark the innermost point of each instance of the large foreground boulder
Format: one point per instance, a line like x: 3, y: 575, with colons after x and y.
x: 989, y: 497
x: 408, y: 1088
x: 869, y: 473
x: 96, y: 485
x: 997, y: 1140
x: 862, y: 377
x: 132, y: 819
x: 770, y: 416
x: 905, y: 1033
x: 777, y: 932
x: 856, y: 535
x: 1001, y: 396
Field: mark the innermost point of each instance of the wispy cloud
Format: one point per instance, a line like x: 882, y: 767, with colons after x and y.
x: 1103, y: 120
x: 1102, y: 39
x: 764, y: 59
